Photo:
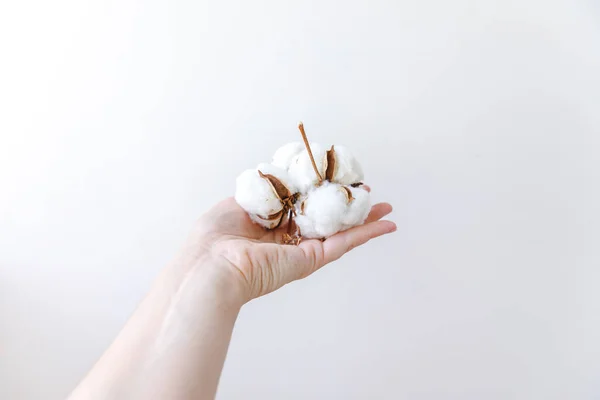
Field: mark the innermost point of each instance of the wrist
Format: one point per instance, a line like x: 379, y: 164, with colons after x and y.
x: 205, y: 276
x: 221, y: 282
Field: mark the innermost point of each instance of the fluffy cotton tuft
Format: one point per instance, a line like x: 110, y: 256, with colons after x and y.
x: 358, y: 209
x: 347, y: 169
x: 326, y: 210
x: 279, y: 173
x: 286, y: 154
x: 302, y: 171
x: 256, y: 195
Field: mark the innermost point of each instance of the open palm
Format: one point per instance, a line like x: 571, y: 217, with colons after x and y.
x: 257, y: 256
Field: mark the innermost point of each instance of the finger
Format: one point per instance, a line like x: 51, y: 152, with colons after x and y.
x: 310, y: 253
x: 313, y: 255
x: 341, y: 243
x: 378, y: 211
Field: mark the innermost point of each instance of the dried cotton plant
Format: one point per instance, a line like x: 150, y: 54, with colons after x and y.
x: 318, y: 191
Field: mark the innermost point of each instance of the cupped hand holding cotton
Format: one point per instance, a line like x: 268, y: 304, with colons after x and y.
x: 317, y: 189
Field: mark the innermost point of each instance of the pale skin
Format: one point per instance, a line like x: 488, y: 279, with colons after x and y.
x: 175, y: 343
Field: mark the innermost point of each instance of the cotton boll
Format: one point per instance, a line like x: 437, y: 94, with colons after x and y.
x: 323, y: 211
x: 301, y: 170
x: 256, y: 195
x: 284, y: 155
x: 279, y: 173
x: 327, y: 203
x: 358, y: 209
x: 347, y: 168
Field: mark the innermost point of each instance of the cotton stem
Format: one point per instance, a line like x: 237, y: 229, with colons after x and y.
x: 312, y: 159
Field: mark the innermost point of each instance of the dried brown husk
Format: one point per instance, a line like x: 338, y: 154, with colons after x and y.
x: 348, y: 193
x: 293, y: 235
x: 285, y: 196
x: 330, y: 159
x: 279, y: 188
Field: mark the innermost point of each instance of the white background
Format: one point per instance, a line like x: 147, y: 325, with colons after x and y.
x: 122, y: 121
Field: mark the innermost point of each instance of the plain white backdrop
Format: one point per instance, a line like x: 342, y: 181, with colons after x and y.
x: 122, y: 121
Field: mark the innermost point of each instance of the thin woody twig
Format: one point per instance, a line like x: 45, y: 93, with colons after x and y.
x: 312, y: 159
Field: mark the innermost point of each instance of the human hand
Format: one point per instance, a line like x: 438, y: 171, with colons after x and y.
x: 175, y: 343
x: 256, y: 261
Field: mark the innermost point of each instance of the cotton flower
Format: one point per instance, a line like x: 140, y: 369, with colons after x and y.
x: 336, y: 165
x: 301, y: 169
x: 331, y: 208
x: 286, y: 154
x: 347, y: 168
x: 318, y: 187
x: 256, y: 194
x: 358, y: 208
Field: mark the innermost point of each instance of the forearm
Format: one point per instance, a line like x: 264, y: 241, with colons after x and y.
x: 175, y: 344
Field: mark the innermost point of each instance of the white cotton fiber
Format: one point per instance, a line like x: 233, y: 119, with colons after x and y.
x: 358, y: 209
x: 324, y: 204
x: 347, y: 168
x: 256, y: 195
x: 284, y: 155
x: 326, y: 210
x: 301, y: 170
x: 279, y: 173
